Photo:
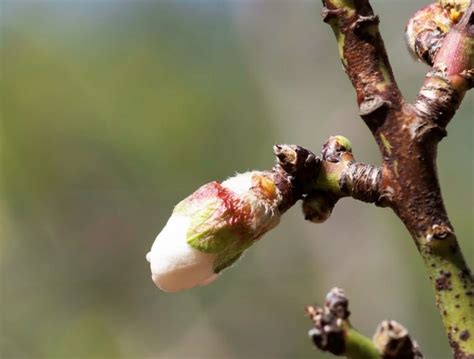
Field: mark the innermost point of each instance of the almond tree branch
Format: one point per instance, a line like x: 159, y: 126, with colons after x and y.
x: 408, y: 136
x: 364, y: 59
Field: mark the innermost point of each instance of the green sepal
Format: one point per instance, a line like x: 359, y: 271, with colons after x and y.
x: 211, y: 231
x: 224, y: 261
x: 212, y: 240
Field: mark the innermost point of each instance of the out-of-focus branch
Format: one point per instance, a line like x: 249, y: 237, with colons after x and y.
x: 408, y: 136
x: 333, y: 332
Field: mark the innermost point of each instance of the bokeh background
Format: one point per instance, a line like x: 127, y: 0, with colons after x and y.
x: 113, y: 111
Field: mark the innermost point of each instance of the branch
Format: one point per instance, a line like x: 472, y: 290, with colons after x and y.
x: 364, y: 58
x: 322, y: 180
x: 342, y: 175
x: 333, y: 332
x: 408, y: 136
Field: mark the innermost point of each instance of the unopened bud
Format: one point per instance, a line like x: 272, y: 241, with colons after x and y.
x: 209, y: 230
x: 317, y: 206
x: 427, y: 28
x: 393, y: 341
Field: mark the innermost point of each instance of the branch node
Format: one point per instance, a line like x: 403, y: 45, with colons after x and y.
x: 439, y: 232
x: 329, y: 14
x: 386, y: 197
x: 372, y: 104
x: 373, y: 110
x: 361, y: 181
x: 429, y: 131
x: 364, y: 21
x: 438, y: 100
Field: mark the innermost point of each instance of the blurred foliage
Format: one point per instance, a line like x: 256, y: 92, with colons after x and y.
x: 112, y: 111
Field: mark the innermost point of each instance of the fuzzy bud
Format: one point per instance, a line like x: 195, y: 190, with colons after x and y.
x: 209, y: 230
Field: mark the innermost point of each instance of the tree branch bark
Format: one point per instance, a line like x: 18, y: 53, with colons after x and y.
x: 408, y: 136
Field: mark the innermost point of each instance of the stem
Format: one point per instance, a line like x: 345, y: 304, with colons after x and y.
x: 333, y: 332
x: 342, y: 176
x: 454, y: 288
x: 359, y: 346
x: 322, y: 181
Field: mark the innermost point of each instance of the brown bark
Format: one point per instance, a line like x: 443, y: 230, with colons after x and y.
x: 408, y: 136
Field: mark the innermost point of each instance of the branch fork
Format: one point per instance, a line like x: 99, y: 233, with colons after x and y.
x: 442, y: 35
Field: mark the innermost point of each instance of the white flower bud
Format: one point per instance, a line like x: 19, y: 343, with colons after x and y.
x: 175, y: 265
x: 209, y: 230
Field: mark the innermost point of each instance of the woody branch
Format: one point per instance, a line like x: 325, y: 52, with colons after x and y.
x: 407, y: 136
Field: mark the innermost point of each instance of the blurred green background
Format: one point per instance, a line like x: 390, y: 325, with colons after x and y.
x: 113, y: 111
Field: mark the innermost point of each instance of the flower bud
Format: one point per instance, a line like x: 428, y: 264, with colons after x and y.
x: 209, y: 230
x: 427, y: 28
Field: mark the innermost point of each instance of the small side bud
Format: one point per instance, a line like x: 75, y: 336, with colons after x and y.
x: 296, y: 160
x: 454, y: 5
x: 335, y: 147
x: 337, y: 303
x: 209, y: 230
x: 317, y: 206
x: 393, y: 341
x: 329, y: 331
x: 344, y: 143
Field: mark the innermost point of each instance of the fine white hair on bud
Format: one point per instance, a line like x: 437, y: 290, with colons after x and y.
x: 210, y: 229
x: 257, y: 190
x: 240, y: 183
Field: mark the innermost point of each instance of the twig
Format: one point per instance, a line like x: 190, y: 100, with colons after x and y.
x: 322, y: 180
x: 333, y: 332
